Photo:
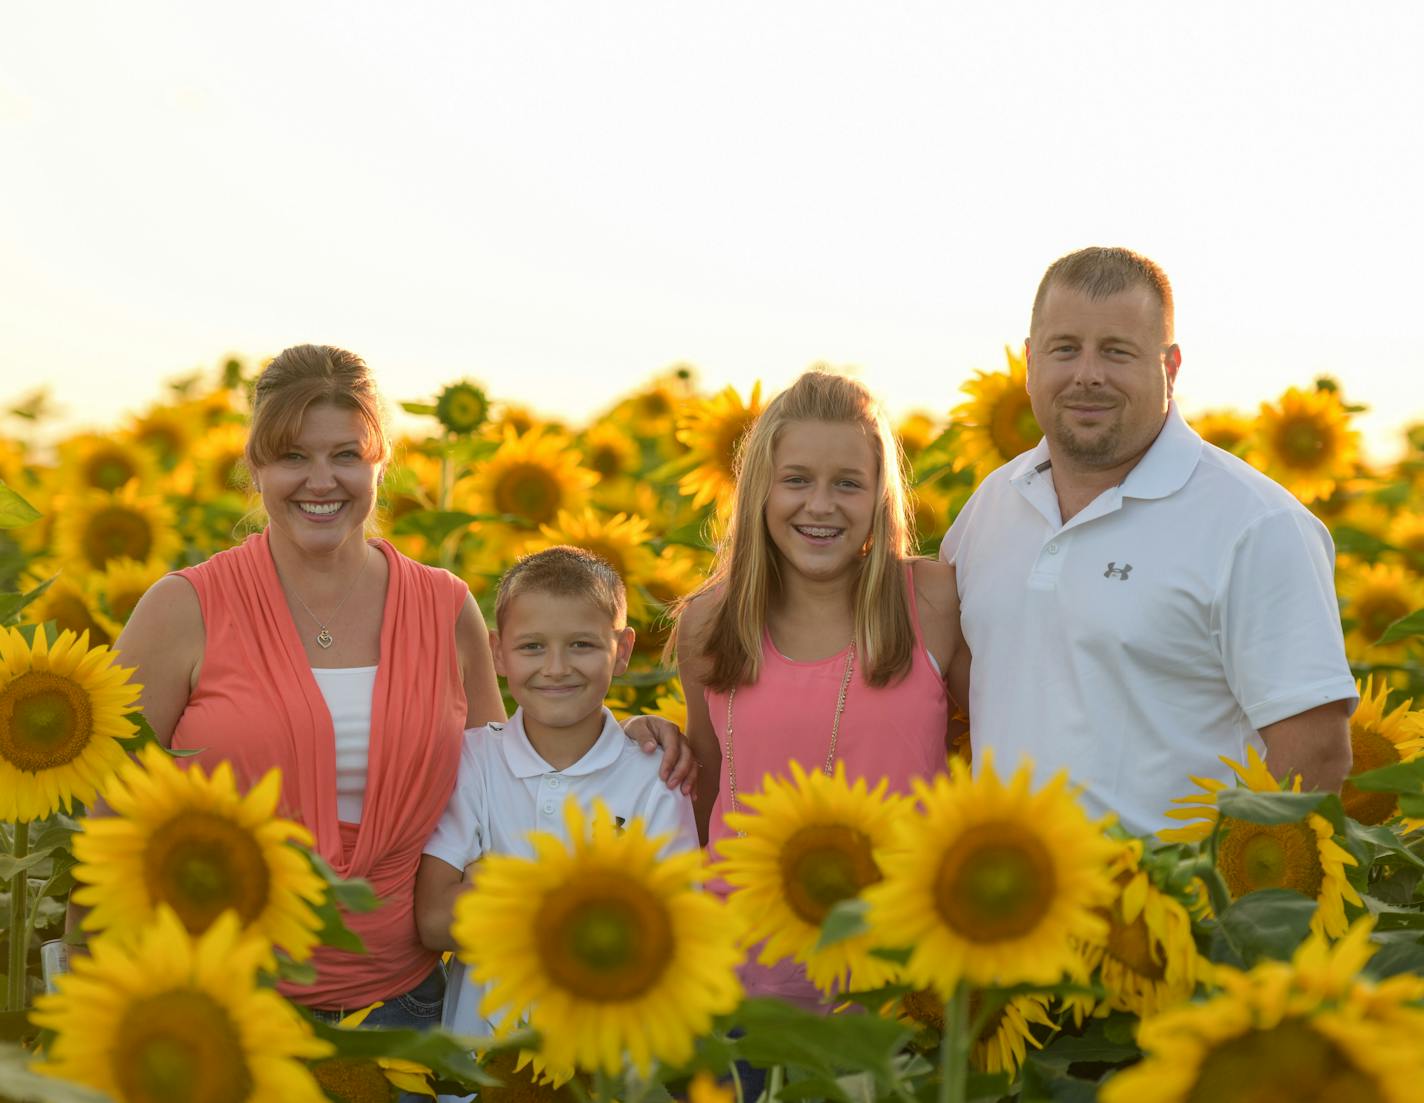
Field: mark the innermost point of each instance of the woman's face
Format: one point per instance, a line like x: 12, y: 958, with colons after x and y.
x: 320, y: 490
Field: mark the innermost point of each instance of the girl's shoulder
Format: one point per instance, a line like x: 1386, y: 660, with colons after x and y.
x: 694, y: 616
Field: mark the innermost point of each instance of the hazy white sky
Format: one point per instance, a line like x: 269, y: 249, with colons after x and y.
x: 560, y: 199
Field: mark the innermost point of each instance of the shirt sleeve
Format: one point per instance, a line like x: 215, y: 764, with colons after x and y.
x: 458, y: 839
x: 949, y: 546
x: 1279, y: 620
x: 667, y: 812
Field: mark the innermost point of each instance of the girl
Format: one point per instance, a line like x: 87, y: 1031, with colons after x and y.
x: 817, y: 638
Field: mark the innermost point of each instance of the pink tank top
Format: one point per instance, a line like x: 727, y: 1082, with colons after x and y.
x: 257, y: 705
x: 895, y: 731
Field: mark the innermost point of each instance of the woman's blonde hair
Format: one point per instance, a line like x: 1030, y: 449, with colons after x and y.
x: 746, y: 571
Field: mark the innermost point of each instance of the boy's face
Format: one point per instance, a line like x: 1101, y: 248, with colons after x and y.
x: 559, y: 655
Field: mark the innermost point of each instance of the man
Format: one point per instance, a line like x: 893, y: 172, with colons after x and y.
x: 1139, y: 603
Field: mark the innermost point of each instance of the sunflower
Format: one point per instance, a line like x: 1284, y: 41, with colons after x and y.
x: 1227, y: 429
x: 610, y: 452
x: 66, y: 602
x: 531, y: 477
x: 991, y: 882
x: 1149, y: 960
x: 462, y: 407
x: 186, y: 841
x: 89, y: 461
x: 62, y: 713
x: 674, y: 574
x: 1304, y: 441
x: 98, y: 526
x: 713, y: 428
x: 806, y: 844
x: 113, y: 594
x: 1379, y: 738
x: 169, y: 432
x: 997, y: 423
x: 917, y: 430
x: 173, y: 1017
x: 1405, y: 533
x: 373, y: 1079
x: 1309, y: 1031
x: 525, y: 1078
x: 651, y: 413
x: 1375, y: 596
x: 219, y: 466
x: 610, y: 950
x: 1003, y: 1041
x: 1302, y: 855
x: 519, y: 420
x: 621, y: 541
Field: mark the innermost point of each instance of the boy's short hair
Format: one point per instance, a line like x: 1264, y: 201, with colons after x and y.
x: 564, y: 571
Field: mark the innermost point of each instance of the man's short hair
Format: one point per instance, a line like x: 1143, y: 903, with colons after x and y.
x: 564, y: 571
x: 1100, y: 272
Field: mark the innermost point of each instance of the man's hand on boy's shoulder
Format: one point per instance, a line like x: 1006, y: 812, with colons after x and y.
x: 679, y: 768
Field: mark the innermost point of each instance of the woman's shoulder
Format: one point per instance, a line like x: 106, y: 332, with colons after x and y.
x: 438, y: 579
x: 169, y: 610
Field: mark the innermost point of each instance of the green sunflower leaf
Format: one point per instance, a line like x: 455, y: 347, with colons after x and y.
x: 845, y: 920
x: 1405, y: 628
x: 420, y: 409
x: 14, y: 510
x: 1267, y: 924
x: 1268, y: 808
x: 435, y: 524
x: 1401, y: 777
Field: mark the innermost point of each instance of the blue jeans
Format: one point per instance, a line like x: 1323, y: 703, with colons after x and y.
x: 418, y: 1009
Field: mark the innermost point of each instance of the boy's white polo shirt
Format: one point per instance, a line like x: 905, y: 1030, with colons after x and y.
x: 1154, y: 632
x: 506, y: 790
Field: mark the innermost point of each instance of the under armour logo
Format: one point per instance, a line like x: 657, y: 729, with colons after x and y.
x: 1114, y: 571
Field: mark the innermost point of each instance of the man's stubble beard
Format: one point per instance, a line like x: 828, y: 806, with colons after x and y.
x: 1101, y: 451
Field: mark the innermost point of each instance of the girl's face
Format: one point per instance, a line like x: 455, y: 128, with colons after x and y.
x: 319, y: 491
x: 824, y: 492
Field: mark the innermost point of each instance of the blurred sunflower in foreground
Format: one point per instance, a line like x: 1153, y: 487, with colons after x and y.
x: 997, y: 423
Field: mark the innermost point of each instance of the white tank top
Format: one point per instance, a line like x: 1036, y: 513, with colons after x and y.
x: 348, y: 691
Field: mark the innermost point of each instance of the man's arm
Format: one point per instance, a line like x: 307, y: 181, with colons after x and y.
x: 1315, y: 745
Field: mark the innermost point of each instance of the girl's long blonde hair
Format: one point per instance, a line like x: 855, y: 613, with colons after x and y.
x: 746, y: 571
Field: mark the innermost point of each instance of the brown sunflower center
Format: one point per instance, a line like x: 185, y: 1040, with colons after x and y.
x: 201, y: 864
x: 729, y: 441
x: 1269, y: 856
x: 1377, y: 610
x: 46, y: 720
x: 109, y: 469
x: 354, y: 1080
x: 995, y: 883
x: 654, y: 404
x: 1131, y: 944
x: 924, y: 1006
x: 180, y: 1046
x: 518, y: 1085
x: 1303, y: 441
x: 607, y: 460
x: 606, y: 551
x: 1012, y: 426
x: 528, y: 490
x: 116, y: 531
x: 226, y: 471
x: 823, y: 864
x: 604, y: 937
x: 122, y: 600
x: 1371, y: 750
x: 1289, y: 1061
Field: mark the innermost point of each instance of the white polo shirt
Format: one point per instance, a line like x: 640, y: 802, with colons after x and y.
x: 1156, y: 631
x: 506, y: 790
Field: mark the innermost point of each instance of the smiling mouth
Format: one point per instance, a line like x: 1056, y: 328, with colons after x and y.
x: 320, y: 509
x: 819, y: 532
x: 555, y: 689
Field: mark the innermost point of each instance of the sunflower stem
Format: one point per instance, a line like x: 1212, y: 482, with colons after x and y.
x: 19, y: 928
x: 954, y: 1047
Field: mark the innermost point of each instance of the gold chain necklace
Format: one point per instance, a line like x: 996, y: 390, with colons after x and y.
x: 323, y: 637
x: 828, y: 769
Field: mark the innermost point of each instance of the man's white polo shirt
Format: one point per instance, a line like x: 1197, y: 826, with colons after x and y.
x: 506, y: 790
x: 1154, y: 632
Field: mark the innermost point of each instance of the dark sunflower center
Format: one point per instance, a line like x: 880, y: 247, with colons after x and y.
x: 1267, y: 856
x: 67, y: 610
x: 45, y: 721
x: 996, y: 882
x: 924, y: 1006
x: 180, y: 1046
x: 823, y: 864
x: 604, y: 938
x: 122, y: 601
x: 201, y: 864
x: 1288, y: 1062
x: 1377, y: 611
x: 1131, y: 944
x: 519, y: 1085
x: 225, y: 471
x: 606, y: 460
x: 729, y: 442
x: 354, y: 1080
x: 116, y: 531
x: 1303, y: 441
x: 109, y: 470
x: 1012, y: 426
x: 607, y: 552
x: 1371, y: 751
x: 654, y: 404
x: 529, y: 491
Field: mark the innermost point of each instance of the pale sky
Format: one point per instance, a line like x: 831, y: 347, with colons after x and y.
x: 561, y: 199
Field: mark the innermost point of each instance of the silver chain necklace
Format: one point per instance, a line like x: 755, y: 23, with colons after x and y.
x: 323, y: 637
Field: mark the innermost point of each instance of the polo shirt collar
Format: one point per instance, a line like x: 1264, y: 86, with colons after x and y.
x: 526, y: 762
x: 1163, y: 470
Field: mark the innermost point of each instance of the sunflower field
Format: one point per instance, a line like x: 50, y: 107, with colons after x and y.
x: 979, y: 939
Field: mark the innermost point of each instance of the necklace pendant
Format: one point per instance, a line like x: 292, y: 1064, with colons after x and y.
x: 324, y: 638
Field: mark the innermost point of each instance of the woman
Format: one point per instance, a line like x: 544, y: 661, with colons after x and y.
x: 351, y: 667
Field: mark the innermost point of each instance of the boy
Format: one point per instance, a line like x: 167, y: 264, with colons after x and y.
x: 560, y: 636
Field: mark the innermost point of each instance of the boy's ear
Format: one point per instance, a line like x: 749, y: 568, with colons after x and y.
x: 625, y: 650
x: 495, y: 655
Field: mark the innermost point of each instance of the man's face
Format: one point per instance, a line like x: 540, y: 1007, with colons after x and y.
x: 1099, y: 375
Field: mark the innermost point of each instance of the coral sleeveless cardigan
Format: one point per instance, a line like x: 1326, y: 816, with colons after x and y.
x: 257, y: 705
